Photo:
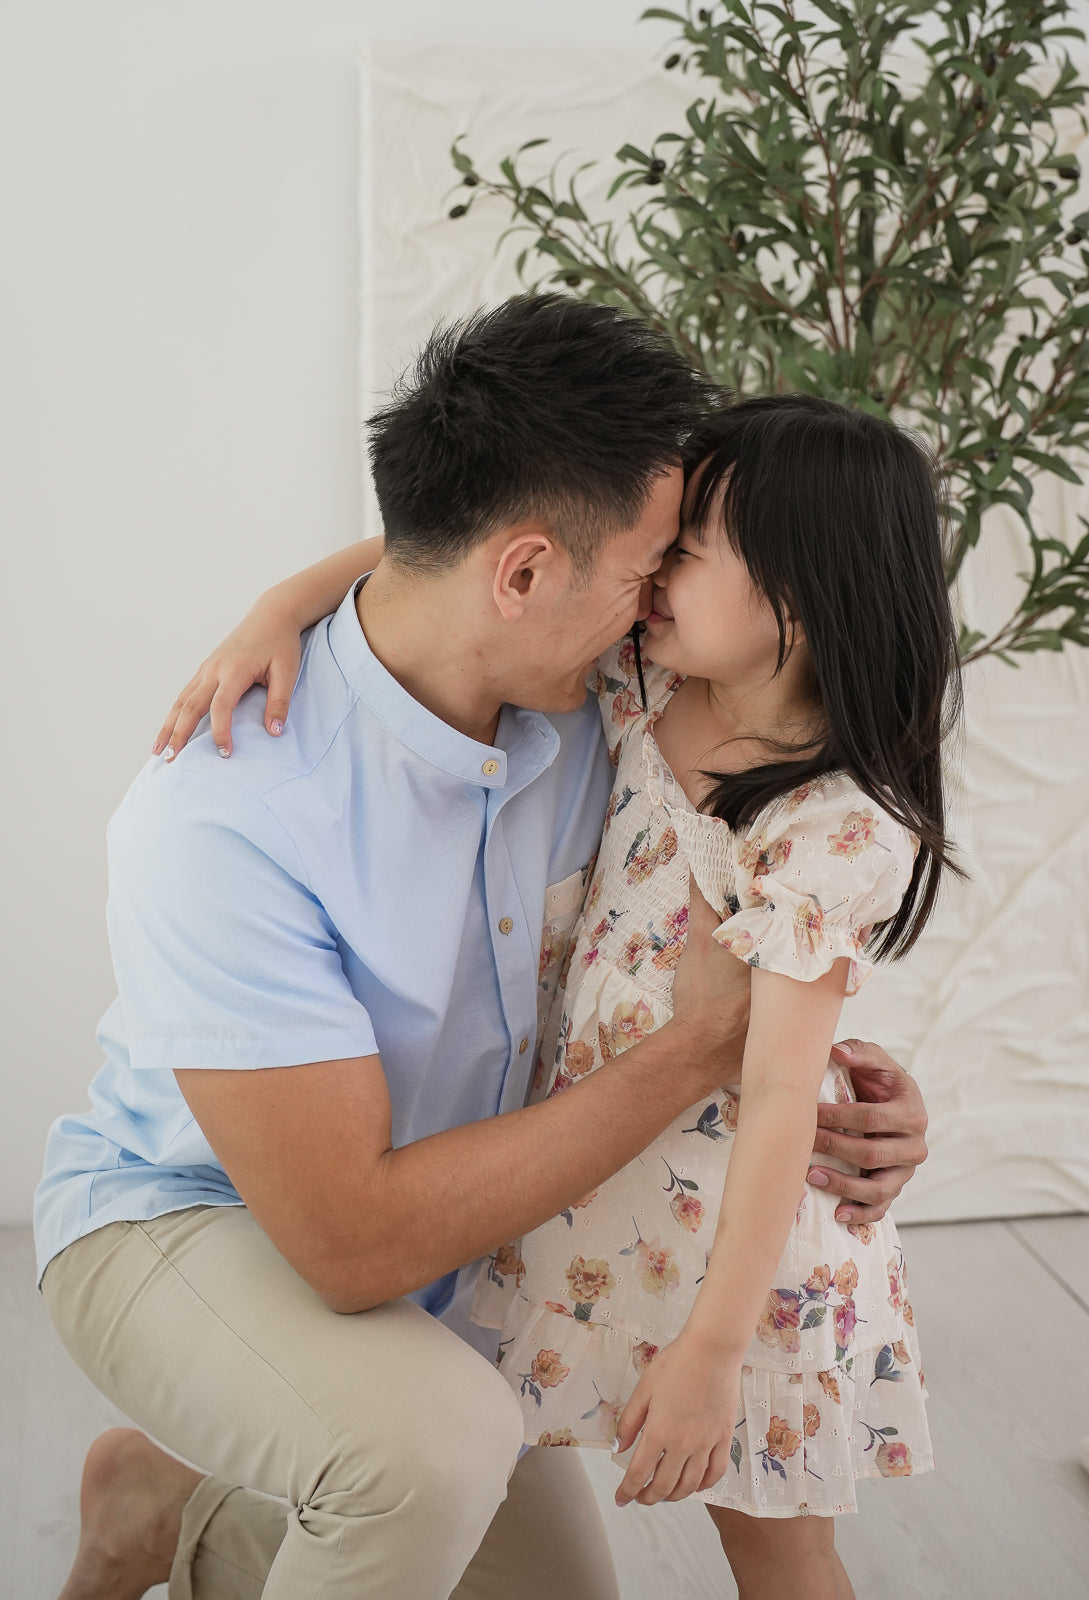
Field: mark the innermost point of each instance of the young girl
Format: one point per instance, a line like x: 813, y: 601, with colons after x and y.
x: 777, y: 732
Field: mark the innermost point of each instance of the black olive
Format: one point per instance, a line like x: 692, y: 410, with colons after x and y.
x: 652, y: 177
x: 1075, y: 236
x: 470, y: 180
x: 991, y: 453
x: 572, y: 280
x: 979, y: 101
x: 671, y: 62
x: 739, y: 240
x: 878, y: 397
x: 990, y: 63
x: 657, y: 165
x: 705, y: 16
x: 1050, y: 187
x: 458, y: 211
x: 1072, y: 174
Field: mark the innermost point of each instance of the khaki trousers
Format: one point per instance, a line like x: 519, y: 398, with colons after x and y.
x: 391, y: 1441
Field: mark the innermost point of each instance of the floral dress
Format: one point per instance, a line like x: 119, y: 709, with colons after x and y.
x: 831, y: 1386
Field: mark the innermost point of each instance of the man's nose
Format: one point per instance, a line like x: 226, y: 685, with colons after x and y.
x: 646, y: 594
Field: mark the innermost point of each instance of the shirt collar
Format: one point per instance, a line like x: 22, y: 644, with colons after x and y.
x: 529, y: 741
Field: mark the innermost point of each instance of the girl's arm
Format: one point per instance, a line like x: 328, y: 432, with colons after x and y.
x: 264, y: 648
x: 686, y: 1402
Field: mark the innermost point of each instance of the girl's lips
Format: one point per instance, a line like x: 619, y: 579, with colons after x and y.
x: 659, y: 612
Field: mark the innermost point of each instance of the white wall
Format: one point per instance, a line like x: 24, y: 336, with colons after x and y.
x: 179, y: 422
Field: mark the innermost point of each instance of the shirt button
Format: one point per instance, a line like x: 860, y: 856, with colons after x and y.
x: 523, y: 1046
x: 490, y: 768
x: 506, y: 924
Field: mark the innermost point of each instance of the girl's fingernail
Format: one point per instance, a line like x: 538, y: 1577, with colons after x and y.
x: 168, y: 753
x: 276, y: 726
x: 615, y: 1446
x: 224, y: 752
x: 156, y: 747
x: 818, y: 1179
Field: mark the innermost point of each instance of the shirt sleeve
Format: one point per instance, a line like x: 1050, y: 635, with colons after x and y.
x: 813, y: 877
x: 224, y: 957
x: 615, y: 680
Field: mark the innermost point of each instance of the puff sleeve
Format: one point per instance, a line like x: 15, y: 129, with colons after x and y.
x: 813, y: 876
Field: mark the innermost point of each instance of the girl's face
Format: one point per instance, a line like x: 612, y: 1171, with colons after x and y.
x: 707, y: 618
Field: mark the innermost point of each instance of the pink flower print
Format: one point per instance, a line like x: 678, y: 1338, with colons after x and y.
x: 625, y: 659
x: 843, y: 1096
x: 857, y: 833
x: 547, y: 1370
x: 893, y: 1460
x: 811, y: 923
x: 660, y: 1271
x: 846, y: 1319
x: 779, y: 1321
x: 687, y: 1210
x: 634, y: 951
x: 671, y: 940
x: 738, y: 943
x: 864, y: 1232
x: 896, y: 1285
x: 799, y: 796
x: 626, y: 707
x: 846, y: 1279
x: 641, y: 863
x: 551, y: 950
x: 643, y: 1354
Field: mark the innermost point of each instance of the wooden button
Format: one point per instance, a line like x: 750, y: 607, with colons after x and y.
x: 523, y: 1046
x: 490, y: 768
x: 505, y: 924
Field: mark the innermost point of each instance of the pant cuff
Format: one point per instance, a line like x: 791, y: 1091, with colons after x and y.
x: 200, y: 1508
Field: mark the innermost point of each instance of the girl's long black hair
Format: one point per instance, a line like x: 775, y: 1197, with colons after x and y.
x: 834, y: 513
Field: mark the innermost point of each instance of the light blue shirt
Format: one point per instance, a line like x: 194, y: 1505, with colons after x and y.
x: 371, y: 881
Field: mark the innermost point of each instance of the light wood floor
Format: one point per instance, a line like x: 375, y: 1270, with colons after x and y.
x: 1003, y: 1313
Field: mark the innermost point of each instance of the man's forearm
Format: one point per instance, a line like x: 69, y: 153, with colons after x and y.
x: 448, y: 1199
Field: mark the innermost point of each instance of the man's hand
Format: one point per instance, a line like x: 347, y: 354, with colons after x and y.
x: 886, y: 1136
x: 710, y: 999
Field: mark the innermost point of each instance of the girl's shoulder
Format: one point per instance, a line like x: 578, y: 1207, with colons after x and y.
x: 614, y: 678
x: 834, y: 816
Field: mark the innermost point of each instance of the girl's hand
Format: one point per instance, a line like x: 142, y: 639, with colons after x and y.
x: 264, y: 648
x: 686, y: 1406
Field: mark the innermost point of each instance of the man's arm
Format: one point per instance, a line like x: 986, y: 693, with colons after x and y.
x: 308, y: 1149
x: 887, y: 1136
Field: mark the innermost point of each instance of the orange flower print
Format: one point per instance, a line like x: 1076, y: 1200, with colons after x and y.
x: 561, y: 1436
x: 893, y: 1460
x: 643, y: 860
x: 643, y: 1354
x: 842, y: 1095
x: 857, y: 833
x: 631, y: 1022
x: 578, y: 1058
x: 902, y: 1353
x: 798, y: 797
x: 554, y: 1305
x: 509, y: 1263
x: 846, y: 1279
x: 811, y: 1419
x: 909, y: 1315
x: 830, y: 1384
x: 779, y: 1321
x: 634, y: 951
x: 586, y: 1200
x: 547, y: 1369
x: 589, y: 1281
x: 625, y: 659
x: 660, y: 1271
x: 783, y: 1442
x: 864, y: 1232
x: 730, y: 1107
x: 687, y: 1210
x: 896, y: 1286
x: 819, y: 1280
x: 810, y: 923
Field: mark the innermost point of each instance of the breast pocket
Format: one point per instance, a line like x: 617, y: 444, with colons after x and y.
x: 563, y: 903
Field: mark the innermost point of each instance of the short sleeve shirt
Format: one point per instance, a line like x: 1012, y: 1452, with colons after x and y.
x: 373, y: 881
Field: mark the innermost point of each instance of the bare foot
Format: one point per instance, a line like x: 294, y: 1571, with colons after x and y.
x: 130, y: 1506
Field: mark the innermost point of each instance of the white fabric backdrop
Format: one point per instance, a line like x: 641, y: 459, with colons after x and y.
x: 990, y: 1011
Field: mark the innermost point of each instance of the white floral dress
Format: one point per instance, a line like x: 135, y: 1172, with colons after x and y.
x: 831, y: 1387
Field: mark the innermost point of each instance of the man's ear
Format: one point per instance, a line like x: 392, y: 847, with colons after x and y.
x: 524, y: 560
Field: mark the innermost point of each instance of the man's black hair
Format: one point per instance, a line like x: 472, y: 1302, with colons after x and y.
x: 545, y: 409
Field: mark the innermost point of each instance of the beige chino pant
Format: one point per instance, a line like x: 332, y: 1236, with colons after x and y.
x: 391, y: 1440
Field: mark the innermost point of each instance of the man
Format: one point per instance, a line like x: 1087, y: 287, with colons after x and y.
x: 327, y: 961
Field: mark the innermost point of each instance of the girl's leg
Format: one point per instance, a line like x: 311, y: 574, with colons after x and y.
x: 774, y: 1556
